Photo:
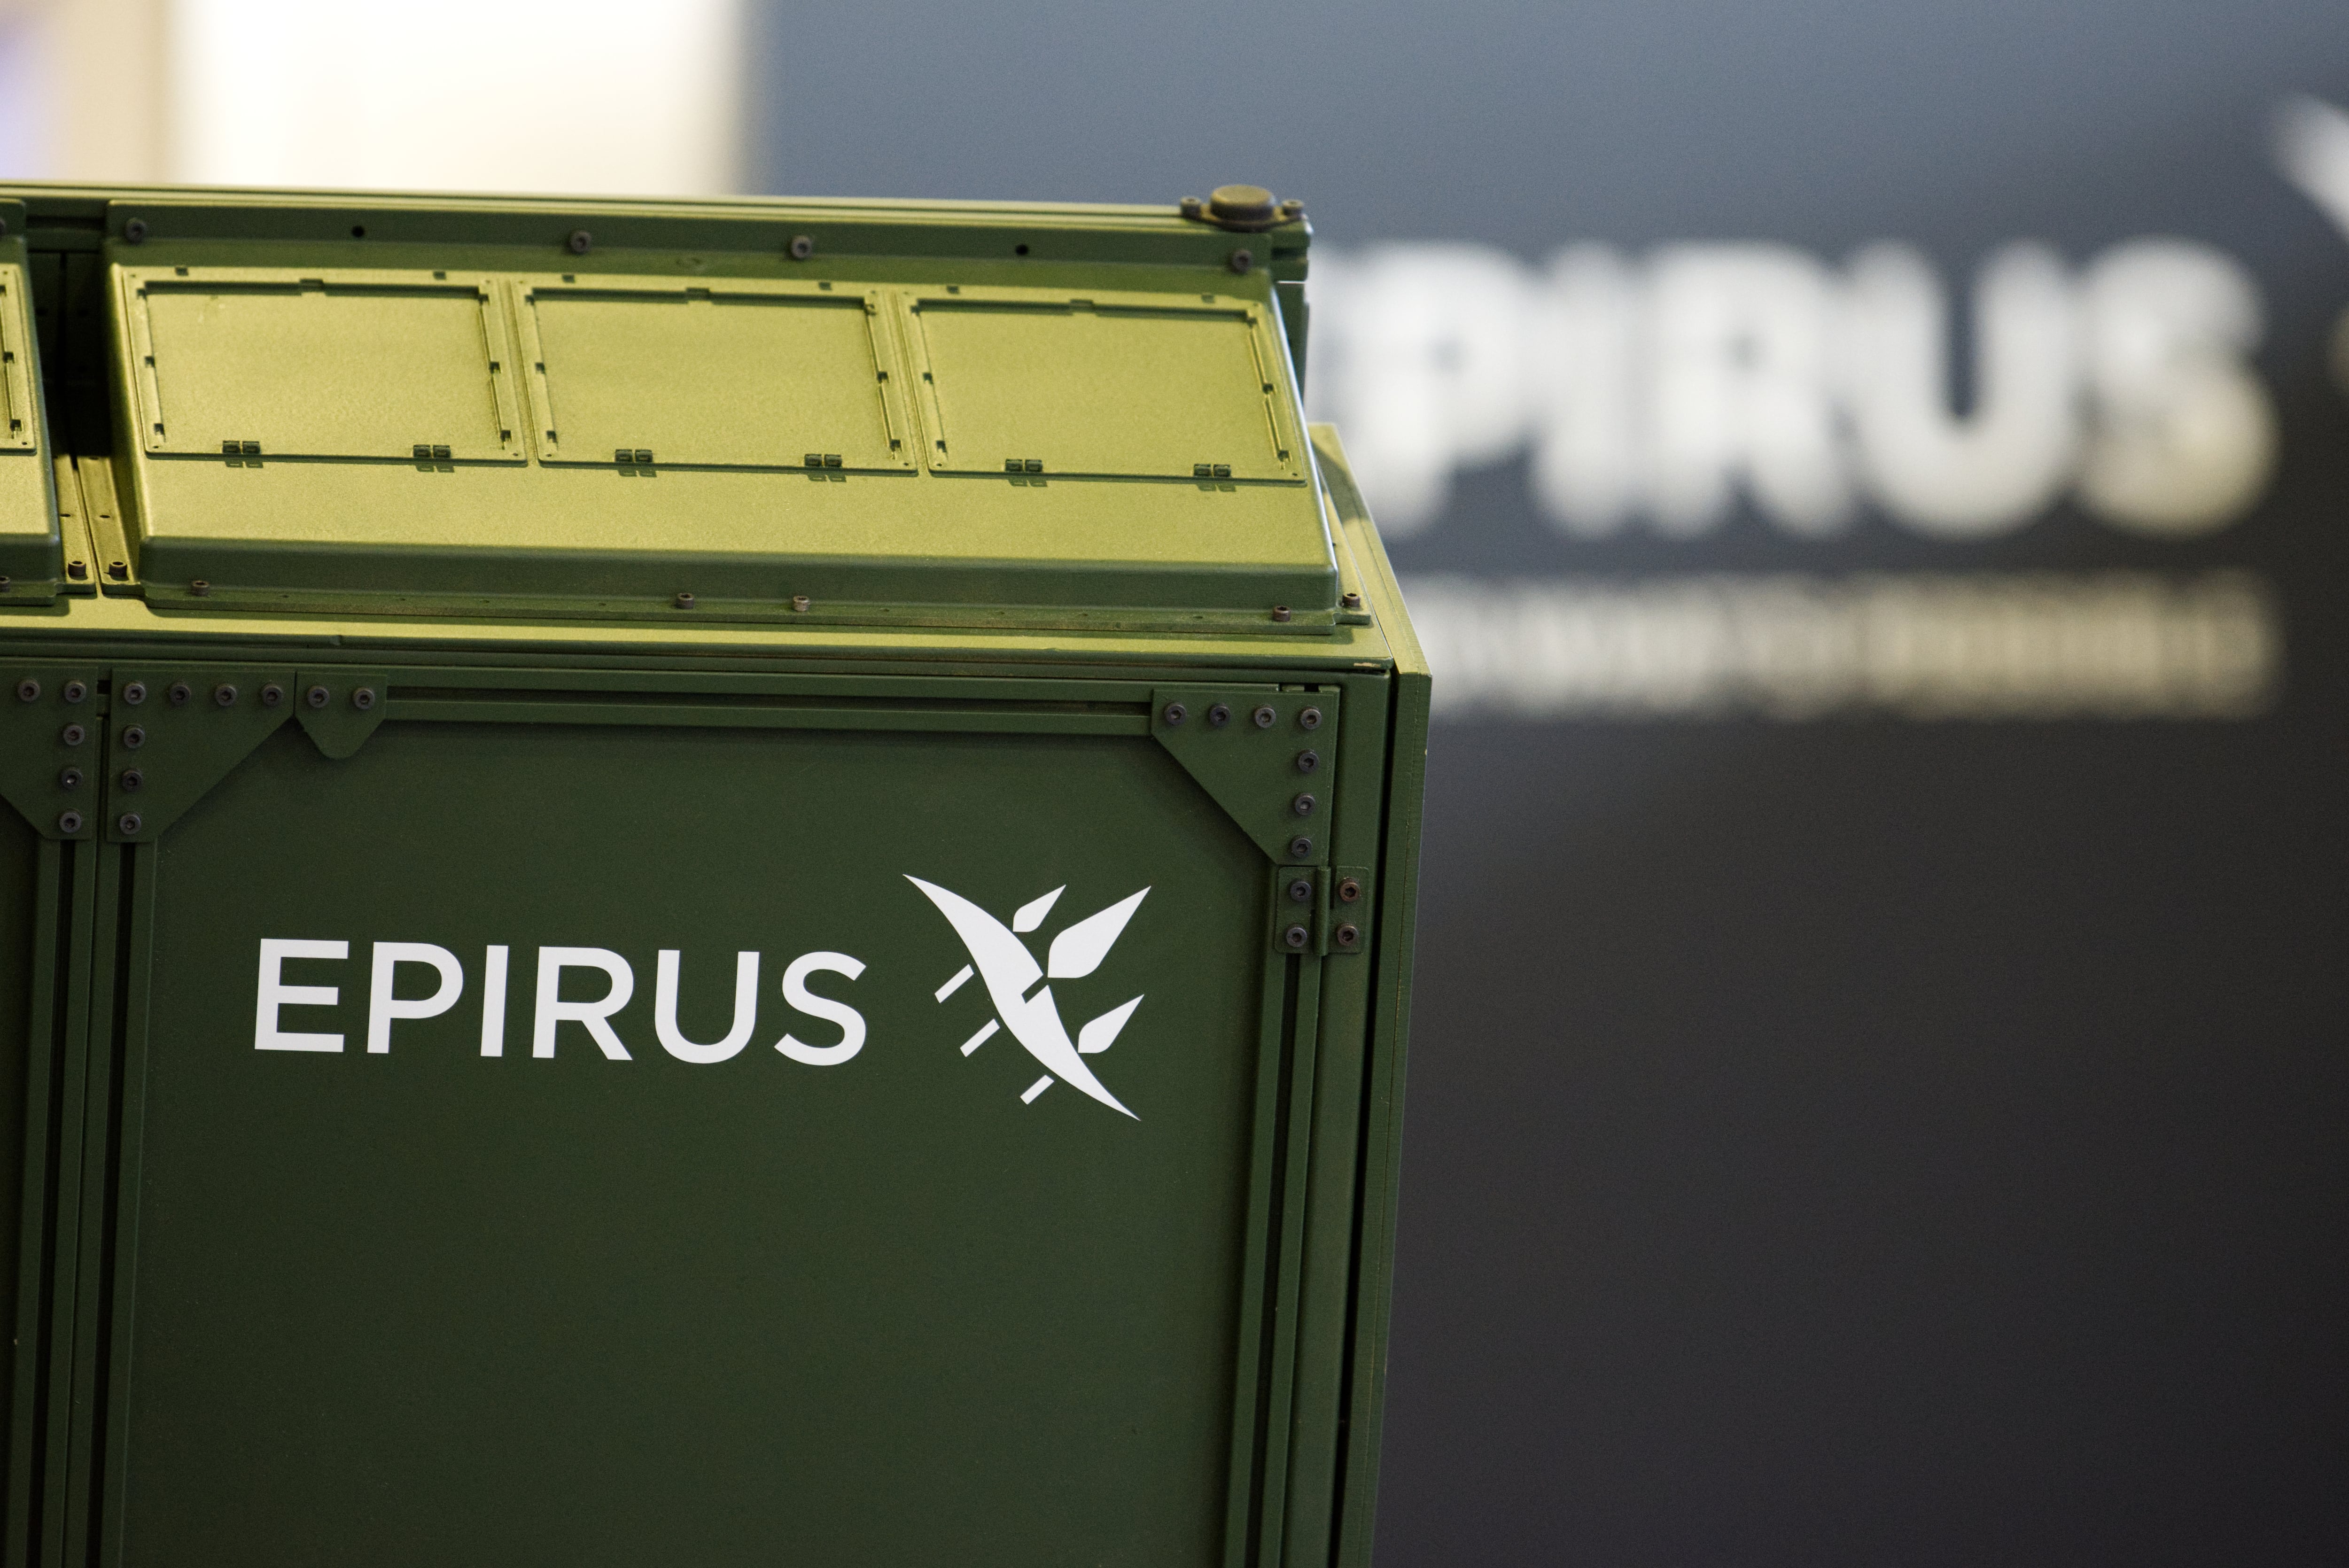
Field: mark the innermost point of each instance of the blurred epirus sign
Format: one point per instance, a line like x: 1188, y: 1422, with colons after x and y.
x: 1658, y: 387
x: 1664, y: 391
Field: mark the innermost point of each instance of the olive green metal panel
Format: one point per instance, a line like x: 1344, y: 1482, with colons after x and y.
x: 692, y: 1309
x: 728, y: 375
x: 27, y: 975
x: 1121, y: 385
x: 267, y: 363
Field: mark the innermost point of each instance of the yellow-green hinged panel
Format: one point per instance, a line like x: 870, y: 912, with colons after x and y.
x: 30, y: 563
x: 1127, y: 385
x: 17, y: 394
x: 334, y: 364
x: 725, y: 375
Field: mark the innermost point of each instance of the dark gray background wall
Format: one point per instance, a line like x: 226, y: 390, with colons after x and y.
x: 1858, y: 1142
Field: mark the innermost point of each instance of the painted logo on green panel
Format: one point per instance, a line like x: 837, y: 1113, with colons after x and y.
x: 1010, y: 971
x: 999, y: 954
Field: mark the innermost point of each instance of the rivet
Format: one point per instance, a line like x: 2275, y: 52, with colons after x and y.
x: 1242, y: 261
x: 1349, y: 891
x: 69, y: 822
x: 1307, y: 761
x: 75, y: 691
x: 1347, y: 935
x: 133, y: 738
x: 1309, y: 719
x: 1280, y: 612
x: 1175, y: 712
x: 318, y: 697
x: 1292, y: 208
x: 685, y: 601
x: 1349, y: 601
x: 1219, y: 715
x: 271, y: 695
x: 132, y: 777
x: 118, y: 570
x: 199, y: 587
x: 135, y: 693
x: 580, y: 242
x: 363, y: 698
x: 73, y: 735
x: 179, y: 695
x: 28, y: 690
x: 1299, y: 891
x: 1303, y: 805
x: 800, y: 602
x: 224, y: 695
x: 1191, y: 207
x: 78, y: 570
x: 135, y: 231
x: 129, y: 823
x: 1297, y: 936
x: 70, y: 778
x: 1300, y: 848
x: 802, y: 247
x: 1265, y: 715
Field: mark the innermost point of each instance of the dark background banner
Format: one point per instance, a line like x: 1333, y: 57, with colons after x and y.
x: 1856, y: 1116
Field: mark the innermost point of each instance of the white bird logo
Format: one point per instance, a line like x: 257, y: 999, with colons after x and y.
x: 1008, y: 968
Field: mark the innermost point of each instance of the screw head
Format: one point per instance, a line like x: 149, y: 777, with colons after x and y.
x: 129, y: 823
x: 1241, y: 260
x: 1299, y: 891
x: 133, y: 738
x: 135, y: 693
x: 580, y: 241
x: 1303, y: 805
x: 75, y: 691
x: 1264, y: 717
x: 802, y: 247
x: 271, y: 695
x: 70, y: 778
x: 1300, y: 848
x: 132, y: 777
x: 199, y: 587
x: 1348, y: 934
x: 1280, y: 612
x: 135, y: 231
x: 318, y: 697
x: 224, y: 695
x: 1349, y: 891
x: 1219, y: 715
x: 1295, y: 937
x: 69, y: 822
x: 800, y: 602
x: 1174, y: 713
x: 179, y: 695
x: 1191, y: 207
x: 1309, y: 719
x: 363, y: 698
x: 685, y: 601
x: 73, y: 735
x: 28, y: 690
x: 1349, y: 601
x: 1307, y: 761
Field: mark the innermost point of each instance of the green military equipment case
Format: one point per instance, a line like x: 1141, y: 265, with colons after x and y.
x: 690, y: 882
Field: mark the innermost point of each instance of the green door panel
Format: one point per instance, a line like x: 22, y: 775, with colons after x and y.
x: 735, y: 375
x: 932, y: 1303
x: 1129, y: 386
x: 23, y: 906
x: 331, y: 363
